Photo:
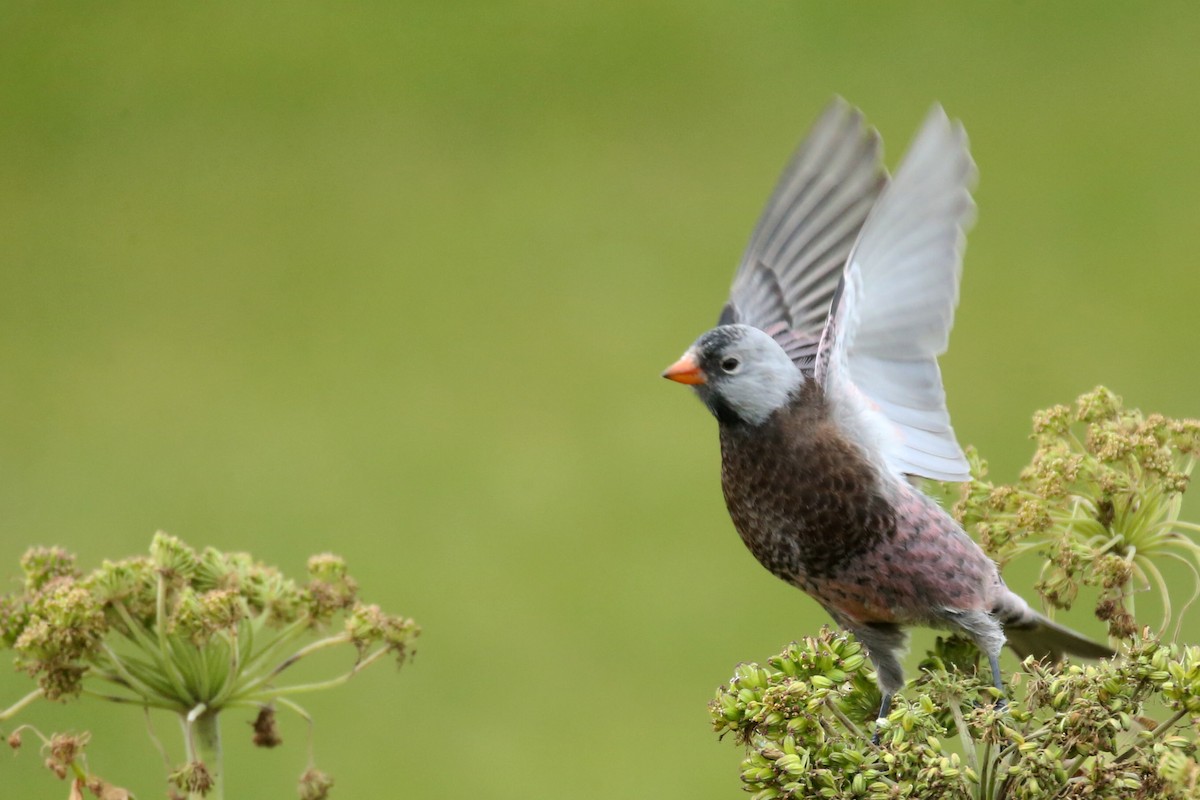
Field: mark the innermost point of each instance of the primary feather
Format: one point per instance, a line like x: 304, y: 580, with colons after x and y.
x: 892, y: 317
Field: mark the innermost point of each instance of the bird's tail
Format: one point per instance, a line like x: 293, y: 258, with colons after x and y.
x: 1031, y: 634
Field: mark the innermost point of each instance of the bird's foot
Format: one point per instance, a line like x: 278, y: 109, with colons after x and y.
x: 880, y: 724
x: 1001, y: 704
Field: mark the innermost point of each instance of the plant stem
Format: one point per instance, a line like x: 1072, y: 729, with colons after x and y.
x: 20, y: 704
x: 1156, y: 734
x: 206, y: 737
x: 253, y: 686
x: 964, y: 735
x: 129, y: 680
x: 292, y: 632
x: 133, y: 701
x: 269, y: 694
x: 987, y: 773
x: 283, y: 701
x: 842, y: 718
x: 166, y: 658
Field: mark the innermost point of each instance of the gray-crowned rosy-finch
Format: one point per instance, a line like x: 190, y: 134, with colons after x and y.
x: 823, y: 377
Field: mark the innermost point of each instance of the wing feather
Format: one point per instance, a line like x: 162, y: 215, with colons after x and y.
x: 877, y: 358
x: 789, y: 273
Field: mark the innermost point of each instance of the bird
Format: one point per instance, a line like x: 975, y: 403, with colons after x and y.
x: 822, y: 375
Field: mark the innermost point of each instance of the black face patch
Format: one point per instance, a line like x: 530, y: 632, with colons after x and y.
x: 723, y: 411
x: 711, y: 349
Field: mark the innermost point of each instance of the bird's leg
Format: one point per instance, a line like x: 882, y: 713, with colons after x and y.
x: 884, y: 642
x: 988, y: 636
x: 884, y: 708
x: 997, y: 680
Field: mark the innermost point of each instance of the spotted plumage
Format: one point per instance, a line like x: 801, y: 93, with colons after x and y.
x: 822, y: 374
x: 793, y: 486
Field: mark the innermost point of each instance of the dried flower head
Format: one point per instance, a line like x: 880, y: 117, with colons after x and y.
x: 331, y: 589
x: 315, y: 785
x: 193, y: 777
x: 63, y: 750
x: 266, y: 730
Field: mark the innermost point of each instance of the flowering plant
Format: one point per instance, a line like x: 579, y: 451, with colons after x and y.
x: 192, y: 633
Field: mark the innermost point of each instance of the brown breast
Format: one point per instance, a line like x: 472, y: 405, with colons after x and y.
x: 804, y: 500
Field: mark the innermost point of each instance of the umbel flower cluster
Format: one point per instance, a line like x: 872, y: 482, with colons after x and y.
x: 1100, y: 505
x: 193, y: 633
x: 1121, y: 729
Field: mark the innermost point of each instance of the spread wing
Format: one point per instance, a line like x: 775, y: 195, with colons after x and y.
x: 892, y: 315
x: 788, y: 275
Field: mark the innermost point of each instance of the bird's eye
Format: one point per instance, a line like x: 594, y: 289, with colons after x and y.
x: 730, y: 365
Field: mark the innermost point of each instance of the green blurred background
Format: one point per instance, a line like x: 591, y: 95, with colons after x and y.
x: 397, y: 280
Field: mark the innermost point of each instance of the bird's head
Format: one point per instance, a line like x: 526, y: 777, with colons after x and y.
x: 739, y: 372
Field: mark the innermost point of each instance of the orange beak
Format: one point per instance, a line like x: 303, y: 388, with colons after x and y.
x: 685, y: 370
